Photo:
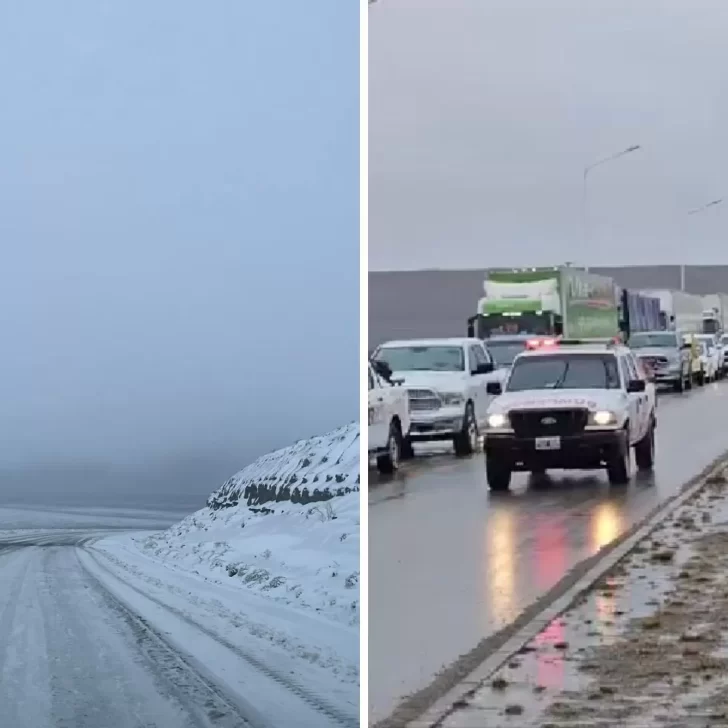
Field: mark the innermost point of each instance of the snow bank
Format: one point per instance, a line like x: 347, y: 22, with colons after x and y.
x: 286, y: 527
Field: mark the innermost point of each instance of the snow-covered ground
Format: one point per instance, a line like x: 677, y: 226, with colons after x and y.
x: 270, y: 566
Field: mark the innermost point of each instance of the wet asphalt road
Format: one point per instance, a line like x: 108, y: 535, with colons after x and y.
x: 451, y: 563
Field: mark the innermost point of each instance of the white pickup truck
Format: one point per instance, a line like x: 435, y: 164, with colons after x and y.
x: 389, y: 418
x: 571, y: 407
x: 446, y: 381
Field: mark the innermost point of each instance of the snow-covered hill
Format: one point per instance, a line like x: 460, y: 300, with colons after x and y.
x: 310, y: 471
x: 286, y: 527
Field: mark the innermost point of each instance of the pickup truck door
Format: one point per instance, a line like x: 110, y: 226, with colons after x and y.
x: 477, y: 356
x: 378, y: 420
x: 632, y: 401
x: 639, y: 403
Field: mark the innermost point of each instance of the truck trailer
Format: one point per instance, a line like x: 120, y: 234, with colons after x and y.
x: 679, y: 311
x: 638, y: 313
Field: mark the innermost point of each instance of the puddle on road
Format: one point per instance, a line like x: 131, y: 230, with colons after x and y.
x: 647, y: 646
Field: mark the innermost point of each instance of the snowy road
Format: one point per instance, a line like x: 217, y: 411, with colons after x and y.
x: 81, y: 646
x: 452, y: 565
x: 72, y: 656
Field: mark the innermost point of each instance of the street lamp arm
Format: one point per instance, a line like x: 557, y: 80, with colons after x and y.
x: 705, y: 207
x: 629, y: 150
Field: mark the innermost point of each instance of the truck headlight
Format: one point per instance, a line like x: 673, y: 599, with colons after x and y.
x: 497, y: 420
x: 452, y: 398
x: 603, y: 417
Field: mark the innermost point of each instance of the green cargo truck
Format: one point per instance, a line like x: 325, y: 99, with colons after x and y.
x: 547, y: 302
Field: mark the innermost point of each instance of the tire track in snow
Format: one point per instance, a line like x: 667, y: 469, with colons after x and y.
x: 200, y: 697
x: 317, y: 702
x: 12, y: 597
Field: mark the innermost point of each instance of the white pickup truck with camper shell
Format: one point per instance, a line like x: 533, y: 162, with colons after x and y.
x: 571, y: 406
x: 389, y: 420
x: 446, y: 381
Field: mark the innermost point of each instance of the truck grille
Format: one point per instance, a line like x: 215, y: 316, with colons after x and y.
x: 540, y: 423
x: 655, y: 362
x: 423, y: 400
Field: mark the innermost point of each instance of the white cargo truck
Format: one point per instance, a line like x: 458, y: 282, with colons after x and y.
x: 715, y: 313
x: 680, y: 311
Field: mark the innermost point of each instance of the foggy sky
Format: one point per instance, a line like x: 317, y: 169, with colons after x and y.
x: 179, y: 227
x: 483, y: 115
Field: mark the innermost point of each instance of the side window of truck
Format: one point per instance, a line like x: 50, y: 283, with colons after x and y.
x: 484, y: 355
x: 473, y: 358
x: 636, y: 365
x: 624, y: 369
x: 371, y: 380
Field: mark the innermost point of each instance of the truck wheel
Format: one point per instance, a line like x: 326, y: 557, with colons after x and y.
x: 497, y: 474
x: 407, y: 452
x: 388, y: 462
x: 644, y: 450
x: 618, y: 466
x: 466, y: 441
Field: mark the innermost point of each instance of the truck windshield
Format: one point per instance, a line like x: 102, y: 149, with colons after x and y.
x: 504, y: 352
x: 572, y: 371
x: 540, y: 324
x: 423, y: 358
x: 660, y: 339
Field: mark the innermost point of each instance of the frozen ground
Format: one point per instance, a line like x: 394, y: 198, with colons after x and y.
x: 647, y: 647
x: 243, y: 614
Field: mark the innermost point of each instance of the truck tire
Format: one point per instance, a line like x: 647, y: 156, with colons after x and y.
x: 466, y: 441
x: 618, y: 465
x: 408, y: 451
x: 644, y: 450
x: 497, y: 474
x: 388, y: 462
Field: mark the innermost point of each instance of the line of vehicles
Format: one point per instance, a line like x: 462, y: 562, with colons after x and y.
x: 559, y: 370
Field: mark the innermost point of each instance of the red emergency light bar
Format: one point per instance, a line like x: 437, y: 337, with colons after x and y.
x: 553, y: 342
x: 540, y: 343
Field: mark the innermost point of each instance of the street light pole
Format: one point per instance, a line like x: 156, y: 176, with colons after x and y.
x: 696, y: 211
x: 587, y: 169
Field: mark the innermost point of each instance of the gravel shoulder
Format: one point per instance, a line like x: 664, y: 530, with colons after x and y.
x: 648, y: 646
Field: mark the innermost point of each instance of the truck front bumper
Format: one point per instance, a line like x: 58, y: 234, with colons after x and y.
x: 588, y: 450
x: 667, y: 375
x: 441, y: 424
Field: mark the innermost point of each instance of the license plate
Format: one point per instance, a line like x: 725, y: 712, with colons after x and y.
x: 548, y: 443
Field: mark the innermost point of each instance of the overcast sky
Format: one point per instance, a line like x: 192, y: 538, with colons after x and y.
x: 484, y: 113
x: 179, y: 226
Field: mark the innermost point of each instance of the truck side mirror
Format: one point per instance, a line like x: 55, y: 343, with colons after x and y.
x: 494, y: 388
x: 486, y: 368
x: 635, y: 385
x: 382, y: 369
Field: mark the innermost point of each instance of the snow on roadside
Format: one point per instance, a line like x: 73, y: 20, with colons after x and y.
x: 286, y: 526
x: 648, y: 646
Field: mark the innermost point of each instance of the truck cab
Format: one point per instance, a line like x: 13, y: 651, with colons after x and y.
x: 669, y: 357
x: 446, y: 380
x: 574, y: 405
